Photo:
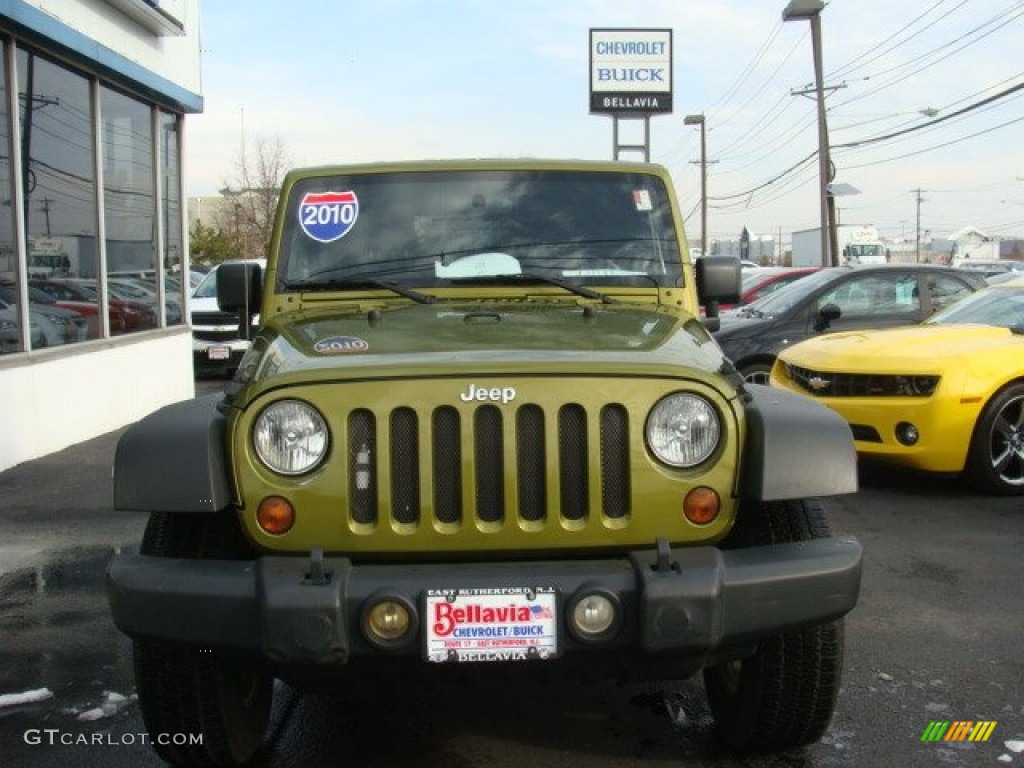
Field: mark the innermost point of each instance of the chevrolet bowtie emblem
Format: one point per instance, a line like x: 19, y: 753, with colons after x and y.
x: 817, y: 383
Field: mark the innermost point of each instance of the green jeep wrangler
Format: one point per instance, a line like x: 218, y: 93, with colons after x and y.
x: 483, y: 421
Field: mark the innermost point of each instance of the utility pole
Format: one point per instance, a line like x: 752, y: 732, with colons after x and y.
x: 917, y: 250
x: 699, y: 120
x: 44, y: 206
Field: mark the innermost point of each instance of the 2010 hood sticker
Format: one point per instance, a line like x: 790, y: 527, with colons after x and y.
x: 340, y: 345
x: 328, y: 216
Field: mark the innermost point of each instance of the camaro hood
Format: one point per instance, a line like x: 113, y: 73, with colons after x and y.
x: 900, y: 350
x: 525, y: 336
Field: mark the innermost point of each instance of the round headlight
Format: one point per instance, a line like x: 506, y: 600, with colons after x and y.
x: 290, y: 437
x: 683, y: 430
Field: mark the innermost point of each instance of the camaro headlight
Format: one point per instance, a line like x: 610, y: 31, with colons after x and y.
x: 683, y: 430
x: 916, y: 386
x: 290, y: 437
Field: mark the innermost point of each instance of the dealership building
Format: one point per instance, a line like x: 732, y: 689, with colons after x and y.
x: 93, y: 309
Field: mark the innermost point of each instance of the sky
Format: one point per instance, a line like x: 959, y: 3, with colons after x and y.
x: 334, y: 81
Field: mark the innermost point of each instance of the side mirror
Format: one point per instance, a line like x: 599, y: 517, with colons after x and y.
x: 826, y: 315
x: 718, y: 280
x: 240, y: 289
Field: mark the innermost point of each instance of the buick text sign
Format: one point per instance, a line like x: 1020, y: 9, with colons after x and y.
x: 631, y: 70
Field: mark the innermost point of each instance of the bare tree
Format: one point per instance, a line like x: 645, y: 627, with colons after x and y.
x: 251, y: 196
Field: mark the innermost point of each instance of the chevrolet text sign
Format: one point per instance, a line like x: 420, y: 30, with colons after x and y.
x: 631, y: 70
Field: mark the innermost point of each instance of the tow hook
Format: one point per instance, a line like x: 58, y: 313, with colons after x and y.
x: 317, y: 575
x: 665, y: 562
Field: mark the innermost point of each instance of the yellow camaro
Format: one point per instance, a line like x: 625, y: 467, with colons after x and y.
x: 943, y: 396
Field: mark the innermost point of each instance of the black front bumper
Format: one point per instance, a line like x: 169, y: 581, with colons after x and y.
x: 692, y: 602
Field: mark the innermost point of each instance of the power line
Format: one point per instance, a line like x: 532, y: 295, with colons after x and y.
x: 936, y: 121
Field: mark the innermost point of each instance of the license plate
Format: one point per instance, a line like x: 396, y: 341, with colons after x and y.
x: 218, y: 353
x: 501, y: 624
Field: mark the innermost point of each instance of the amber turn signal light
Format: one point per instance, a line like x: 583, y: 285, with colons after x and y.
x: 275, y: 515
x: 702, y: 505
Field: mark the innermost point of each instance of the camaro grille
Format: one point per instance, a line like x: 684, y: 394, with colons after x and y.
x: 391, y: 454
x: 830, y: 384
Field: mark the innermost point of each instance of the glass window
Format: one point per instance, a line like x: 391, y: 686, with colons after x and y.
x: 945, y: 290
x: 175, y: 281
x: 59, y: 194
x: 10, y: 334
x: 874, y: 295
x: 129, y: 208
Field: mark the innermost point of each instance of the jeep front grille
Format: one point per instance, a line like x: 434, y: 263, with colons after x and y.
x: 507, y: 477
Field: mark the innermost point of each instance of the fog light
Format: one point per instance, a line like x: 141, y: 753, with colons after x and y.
x: 387, y: 621
x: 594, y: 616
x: 907, y: 433
x: 702, y: 505
x: 275, y: 515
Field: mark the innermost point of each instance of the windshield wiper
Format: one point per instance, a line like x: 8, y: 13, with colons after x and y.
x: 361, y: 282
x: 529, y: 277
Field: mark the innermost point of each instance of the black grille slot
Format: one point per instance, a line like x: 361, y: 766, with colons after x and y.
x: 215, y: 318
x: 384, y: 450
x: 488, y: 451
x: 531, y: 463
x: 405, y: 463
x: 447, y: 465
x: 362, y: 452
x: 865, y: 433
x: 572, y: 461
x: 615, y: 489
x: 204, y: 335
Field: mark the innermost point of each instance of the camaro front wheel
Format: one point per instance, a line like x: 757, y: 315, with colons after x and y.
x: 995, y: 463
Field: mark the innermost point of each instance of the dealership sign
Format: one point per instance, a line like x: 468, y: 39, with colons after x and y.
x: 631, y: 71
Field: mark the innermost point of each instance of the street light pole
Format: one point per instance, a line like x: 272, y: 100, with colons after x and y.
x: 699, y: 120
x: 811, y: 10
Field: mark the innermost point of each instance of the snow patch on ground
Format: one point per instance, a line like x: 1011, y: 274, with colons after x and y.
x: 28, y: 697
x: 112, y: 704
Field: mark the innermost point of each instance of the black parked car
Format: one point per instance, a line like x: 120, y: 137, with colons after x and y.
x: 837, y: 299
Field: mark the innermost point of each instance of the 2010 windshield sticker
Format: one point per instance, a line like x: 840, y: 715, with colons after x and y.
x: 340, y: 345
x: 328, y: 216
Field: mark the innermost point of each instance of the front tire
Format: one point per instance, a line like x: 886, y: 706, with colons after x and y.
x: 783, y: 696
x: 756, y: 373
x: 186, y: 691
x: 995, y: 462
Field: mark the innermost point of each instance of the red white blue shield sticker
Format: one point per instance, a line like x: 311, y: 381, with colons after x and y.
x: 328, y: 216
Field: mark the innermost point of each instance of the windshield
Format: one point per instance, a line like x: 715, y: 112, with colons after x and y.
x: 442, y: 228
x: 860, y: 251
x: 207, y: 288
x: 999, y: 305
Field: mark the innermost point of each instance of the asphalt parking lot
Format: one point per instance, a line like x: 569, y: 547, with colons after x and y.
x: 936, y: 637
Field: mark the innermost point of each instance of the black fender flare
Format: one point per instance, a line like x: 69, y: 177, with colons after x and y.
x: 796, y: 448
x: 174, y: 460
